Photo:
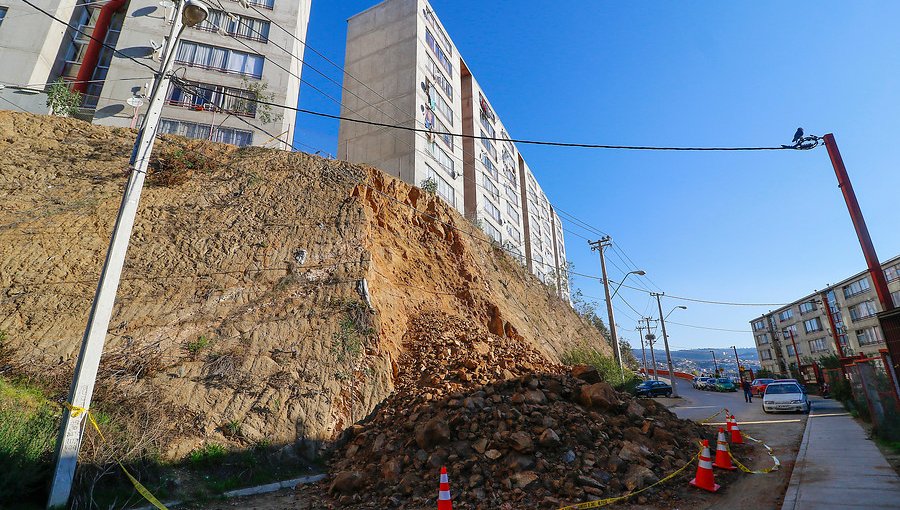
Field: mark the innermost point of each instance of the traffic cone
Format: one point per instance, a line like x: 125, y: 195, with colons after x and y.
x: 729, y: 422
x: 736, y: 437
x: 704, y: 478
x: 723, y: 458
x: 444, y: 502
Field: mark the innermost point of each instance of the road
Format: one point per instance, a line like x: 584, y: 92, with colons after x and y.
x: 782, y: 432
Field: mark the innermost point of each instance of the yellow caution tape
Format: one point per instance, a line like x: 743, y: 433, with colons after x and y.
x: 608, y: 501
x: 775, y: 467
x: 723, y: 410
x: 77, y: 411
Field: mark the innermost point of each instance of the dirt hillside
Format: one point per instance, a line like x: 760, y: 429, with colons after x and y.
x: 266, y: 295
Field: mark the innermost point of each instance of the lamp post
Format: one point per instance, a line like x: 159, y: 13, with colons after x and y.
x: 662, y: 322
x: 189, y: 13
x: 601, y: 246
x: 715, y: 364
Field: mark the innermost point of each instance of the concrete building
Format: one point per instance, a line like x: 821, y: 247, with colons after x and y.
x: 402, y: 68
x: 848, y: 319
x: 235, y: 52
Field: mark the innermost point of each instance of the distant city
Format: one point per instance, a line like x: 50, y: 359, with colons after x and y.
x: 701, y: 362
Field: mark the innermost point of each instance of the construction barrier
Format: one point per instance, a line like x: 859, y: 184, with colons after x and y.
x: 146, y: 494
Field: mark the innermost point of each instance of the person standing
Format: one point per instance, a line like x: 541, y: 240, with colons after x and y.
x: 748, y: 395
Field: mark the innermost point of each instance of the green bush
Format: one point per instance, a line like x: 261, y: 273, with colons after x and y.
x: 28, y: 427
x: 841, y: 390
x: 606, y: 365
x: 207, y: 454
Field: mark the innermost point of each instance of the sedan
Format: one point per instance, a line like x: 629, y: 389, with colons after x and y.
x: 653, y: 389
x: 785, y: 396
x: 725, y: 384
x: 758, y: 386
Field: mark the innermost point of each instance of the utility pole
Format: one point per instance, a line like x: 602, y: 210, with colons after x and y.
x: 189, y: 13
x: 650, y: 338
x: 601, y: 247
x: 715, y: 363
x: 643, y: 351
x: 662, y: 322
x: 737, y: 362
x: 796, y: 352
x: 889, y: 318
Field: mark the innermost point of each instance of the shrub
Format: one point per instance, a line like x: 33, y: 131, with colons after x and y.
x: 606, y: 365
x: 207, y: 454
x: 197, y: 345
x: 429, y: 186
x: 63, y: 102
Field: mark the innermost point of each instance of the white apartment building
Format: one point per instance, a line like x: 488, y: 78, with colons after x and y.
x: 849, y: 320
x: 238, y: 51
x: 402, y: 68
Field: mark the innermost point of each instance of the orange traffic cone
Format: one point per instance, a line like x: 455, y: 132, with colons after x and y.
x: 723, y: 458
x: 729, y: 422
x: 736, y: 437
x: 444, y: 502
x: 704, y: 478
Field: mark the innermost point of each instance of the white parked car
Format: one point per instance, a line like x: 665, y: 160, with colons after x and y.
x: 785, y: 396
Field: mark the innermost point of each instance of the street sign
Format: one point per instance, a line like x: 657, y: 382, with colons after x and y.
x: 135, y: 101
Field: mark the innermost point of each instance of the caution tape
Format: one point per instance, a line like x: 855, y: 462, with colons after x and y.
x: 705, y: 420
x: 608, y: 501
x: 776, y: 463
x: 78, y: 411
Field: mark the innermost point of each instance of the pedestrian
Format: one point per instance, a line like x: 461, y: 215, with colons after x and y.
x: 748, y: 395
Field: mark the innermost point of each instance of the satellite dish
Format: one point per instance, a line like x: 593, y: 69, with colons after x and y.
x: 135, y: 102
x: 168, y: 4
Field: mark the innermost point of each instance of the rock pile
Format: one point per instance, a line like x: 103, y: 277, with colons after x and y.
x: 514, y: 430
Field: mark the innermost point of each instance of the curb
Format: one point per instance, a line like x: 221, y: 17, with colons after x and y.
x: 251, y: 491
x: 793, y: 491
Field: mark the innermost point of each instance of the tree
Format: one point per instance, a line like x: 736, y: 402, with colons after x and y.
x: 257, y: 101
x: 628, y: 358
x: 63, y: 102
x: 588, y: 311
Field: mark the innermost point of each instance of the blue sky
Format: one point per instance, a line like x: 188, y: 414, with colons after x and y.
x: 748, y: 227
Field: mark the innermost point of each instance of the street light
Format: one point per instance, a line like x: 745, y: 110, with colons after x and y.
x: 189, y: 13
x: 638, y: 272
x: 662, y: 322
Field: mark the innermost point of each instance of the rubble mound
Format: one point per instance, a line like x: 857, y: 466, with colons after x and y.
x: 514, y: 430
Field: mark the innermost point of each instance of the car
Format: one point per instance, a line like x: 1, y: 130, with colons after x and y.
x: 694, y: 381
x: 725, y: 384
x: 785, y: 396
x: 653, y: 389
x: 758, y: 386
x: 704, y: 383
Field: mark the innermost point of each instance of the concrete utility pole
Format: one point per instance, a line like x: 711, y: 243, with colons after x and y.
x: 643, y: 351
x: 189, y: 13
x: 796, y: 352
x: 715, y: 363
x: 662, y: 322
x: 650, y: 339
x: 737, y: 361
x: 601, y: 246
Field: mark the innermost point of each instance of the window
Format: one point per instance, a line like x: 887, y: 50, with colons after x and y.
x: 896, y: 297
x: 491, y: 231
x: 890, y: 274
x: 492, y: 210
x: 814, y: 324
x: 219, y: 59
x: 785, y: 315
x: 439, y: 78
x: 762, y: 339
x: 758, y: 325
x: 236, y: 25
x: 512, y: 212
x: 807, y: 307
x: 788, y: 330
x: 486, y: 112
x: 266, y: 4
x: 441, y: 157
x: 489, y: 165
x: 856, y: 287
x: 199, y: 95
x: 444, y: 189
x: 817, y: 345
x: 514, y: 234
x: 438, y: 104
x: 432, y: 20
x: 488, y: 146
x: 790, y: 350
x: 862, y: 310
x: 511, y: 193
x: 490, y: 187
x: 2, y: 14
x: 765, y: 354
x: 490, y: 129
x: 441, y: 128
x: 202, y: 131
x: 869, y: 336
x: 438, y: 52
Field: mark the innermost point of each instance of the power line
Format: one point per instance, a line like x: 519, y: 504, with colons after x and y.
x: 709, y: 328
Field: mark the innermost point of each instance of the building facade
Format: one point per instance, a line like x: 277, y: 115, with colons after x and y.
x: 402, y: 68
x: 245, y: 50
x: 812, y: 327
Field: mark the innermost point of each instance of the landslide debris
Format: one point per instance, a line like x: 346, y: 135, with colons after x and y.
x: 514, y: 430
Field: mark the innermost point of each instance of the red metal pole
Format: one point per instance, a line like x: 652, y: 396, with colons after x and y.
x: 796, y: 353
x: 92, y: 54
x: 859, y: 223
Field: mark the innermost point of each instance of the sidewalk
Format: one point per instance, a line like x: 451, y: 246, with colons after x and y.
x: 837, y: 467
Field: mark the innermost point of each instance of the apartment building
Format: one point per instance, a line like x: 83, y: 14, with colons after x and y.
x: 238, y: 51
x: 812, y: 327
x: 402, y: 68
